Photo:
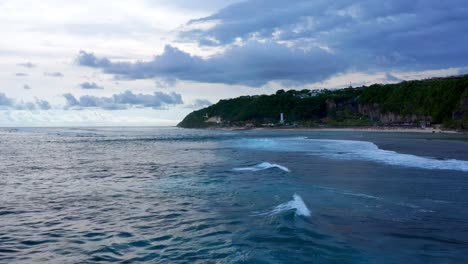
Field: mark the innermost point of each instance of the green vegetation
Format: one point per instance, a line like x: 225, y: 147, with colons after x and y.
x: 436, y: 101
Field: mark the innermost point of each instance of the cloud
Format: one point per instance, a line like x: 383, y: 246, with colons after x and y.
x: 6, y: 101
x: 88, y: 59
x: 53, y: 74
x: 21, y: 74
x: 42, y: 104
x: 199, y: 103
x: 27, y: 65
x: 9, y: 103
x: 308, y: 41
x: 90, y: 86
x: 367, y: 34
x: 165, y: 82
x: 27, y: 87
x: 253, y: 64
x: 124, y: 100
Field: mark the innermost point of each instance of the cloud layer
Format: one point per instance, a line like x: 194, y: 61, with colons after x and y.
x: 124, y: 100
x: 367, y: 34
x: 309, y: 41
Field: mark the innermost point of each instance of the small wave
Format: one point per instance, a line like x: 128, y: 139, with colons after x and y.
x: 296, y: 204
x: 263, y: 166
x: 363, y: 195
x: 409, y: 205
x: 426, y: 211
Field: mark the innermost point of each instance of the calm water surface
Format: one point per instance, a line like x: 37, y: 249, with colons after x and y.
x: 167, y: 195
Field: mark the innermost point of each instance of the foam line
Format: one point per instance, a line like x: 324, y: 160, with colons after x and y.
x: 351, y: 150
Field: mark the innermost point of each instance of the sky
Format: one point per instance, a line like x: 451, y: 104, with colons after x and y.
x: 150, y: 63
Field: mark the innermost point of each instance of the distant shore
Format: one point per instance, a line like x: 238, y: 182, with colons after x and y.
x: 347, y: 129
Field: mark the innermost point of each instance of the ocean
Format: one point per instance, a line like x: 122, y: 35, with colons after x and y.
x: 170, y: 195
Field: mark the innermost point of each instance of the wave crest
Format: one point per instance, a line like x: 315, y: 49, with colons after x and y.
x: 296, y: 204
x: 263, y: 166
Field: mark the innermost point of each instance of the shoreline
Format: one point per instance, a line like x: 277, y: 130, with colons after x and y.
x: 345, y: 129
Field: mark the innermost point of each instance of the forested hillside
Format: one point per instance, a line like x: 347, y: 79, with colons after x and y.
x: 433, y: 101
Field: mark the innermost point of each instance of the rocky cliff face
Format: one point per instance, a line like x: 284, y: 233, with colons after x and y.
x: 462, y: 114
x: 374, y: 113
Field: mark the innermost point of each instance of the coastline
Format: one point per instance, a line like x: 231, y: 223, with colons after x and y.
x: 346, y: 129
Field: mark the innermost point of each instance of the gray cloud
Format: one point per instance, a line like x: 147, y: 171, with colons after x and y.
x: 53, y: 74
x: 21, y: 74
x: 124, y: 100
x: 6, y: 101
x: 27, y: 65
x: 254, y: 64
x: 90, y: 86
x: 42, y: 104
x: 88, y: 59
x: 9, y: 103
x: 199, y: 103
x: 27, y: 87
x: 307, y: 41
x: 369, y: 34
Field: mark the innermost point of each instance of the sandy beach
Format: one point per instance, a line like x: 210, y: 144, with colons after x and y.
x: 350, y: 129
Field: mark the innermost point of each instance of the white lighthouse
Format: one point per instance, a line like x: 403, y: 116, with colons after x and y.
x: 281, y: 118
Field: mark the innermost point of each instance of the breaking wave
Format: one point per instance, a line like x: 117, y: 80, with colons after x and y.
x: 351, y: 150
x: 296, y: 204
x: 262, y: 166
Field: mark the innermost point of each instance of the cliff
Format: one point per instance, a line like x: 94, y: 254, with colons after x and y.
x: 411, y: 103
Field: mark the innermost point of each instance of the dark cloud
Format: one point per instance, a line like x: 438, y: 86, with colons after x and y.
x: 254, y: 64
x: 53, y: 74
x: 199, y: 103
x: 27, y: 87
x: 369, y: 34
x: 124, y: 100
x: 9, y: 103
x: 307, y: 41
x: 90, y: 86
x: 21, y: 74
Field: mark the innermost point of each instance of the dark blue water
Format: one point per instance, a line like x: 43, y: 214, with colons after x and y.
x: 166, y: 195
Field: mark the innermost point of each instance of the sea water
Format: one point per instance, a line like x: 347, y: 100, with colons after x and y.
x: 168, y: 195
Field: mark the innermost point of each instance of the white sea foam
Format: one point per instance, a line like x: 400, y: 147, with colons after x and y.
x: 352, y: 150
x: 262, y: 166
x: 296, y: 204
